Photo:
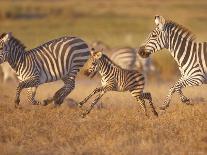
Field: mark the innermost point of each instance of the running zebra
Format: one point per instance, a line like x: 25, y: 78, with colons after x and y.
x: 191, y: 56
x: 114, y: 78
x: 57, y: 59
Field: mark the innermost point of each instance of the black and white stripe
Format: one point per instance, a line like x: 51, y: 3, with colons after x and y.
x: 128, y: 58
x: 114, y: 78
x: 190, y: 55
x: 57, y: 59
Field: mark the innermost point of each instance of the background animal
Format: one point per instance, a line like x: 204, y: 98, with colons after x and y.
x: 8, y: 73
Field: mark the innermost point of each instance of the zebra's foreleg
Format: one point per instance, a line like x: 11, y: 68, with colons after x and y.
x: 97, y: 90
x: 31, y: 92
x: 93, y: 104
x: 103, y: 91
x: 32, y: 82
x: 149, y: 98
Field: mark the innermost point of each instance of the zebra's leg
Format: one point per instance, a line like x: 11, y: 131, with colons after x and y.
x: 31, y: 92
x: 148, y: 97
x: 93, y: 104
x: 182, y: 83
x: 103, y: 91
x: 137, y: 94
x: 62, y: 93
x: 32, y: 82
x: 168, y: 98
x: 97, y: 90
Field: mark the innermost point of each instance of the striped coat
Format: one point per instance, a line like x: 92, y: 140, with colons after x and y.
x: 57, y: 59
x: 190, y: 55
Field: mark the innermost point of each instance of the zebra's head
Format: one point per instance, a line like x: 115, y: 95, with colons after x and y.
x: 94, y: 63
x: 156, y: 39
x: 4, y: 39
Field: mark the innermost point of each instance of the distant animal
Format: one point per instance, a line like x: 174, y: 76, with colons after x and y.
x: 127, y: 58
x: 8, y: 72
x: 114, y: 78
x: 190, y: 55
x: 57, y: 59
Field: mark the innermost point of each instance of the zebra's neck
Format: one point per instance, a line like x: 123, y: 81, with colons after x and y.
x: 181, y: 46
x: 16, y: 54
x: 106, y: 65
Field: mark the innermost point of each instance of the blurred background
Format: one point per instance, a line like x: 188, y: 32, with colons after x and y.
x: 117, y: 23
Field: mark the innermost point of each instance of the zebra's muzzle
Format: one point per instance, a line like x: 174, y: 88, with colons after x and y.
x: 89, y: 74
x: 143, y: 53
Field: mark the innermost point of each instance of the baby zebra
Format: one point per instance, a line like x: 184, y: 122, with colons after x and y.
x: 114, y: 78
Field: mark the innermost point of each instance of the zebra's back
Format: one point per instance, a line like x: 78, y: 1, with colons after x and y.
x: 125, y: 57
x: 59, y: 58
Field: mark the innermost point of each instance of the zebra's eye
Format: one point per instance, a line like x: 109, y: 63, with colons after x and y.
x: 154, y: 35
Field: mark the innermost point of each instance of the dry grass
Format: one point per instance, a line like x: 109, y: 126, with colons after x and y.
x: 118, y: 128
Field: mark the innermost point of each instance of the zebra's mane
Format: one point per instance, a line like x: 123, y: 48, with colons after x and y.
x: 17, y: 42
x: 111, y: 62
x: 188, y: 34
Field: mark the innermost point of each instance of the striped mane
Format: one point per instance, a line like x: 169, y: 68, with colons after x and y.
x: 186, y: 32
x: 17, y: 42
x: 109, y: 60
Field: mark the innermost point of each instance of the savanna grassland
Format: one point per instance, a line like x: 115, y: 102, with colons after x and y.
x: 117, y: 125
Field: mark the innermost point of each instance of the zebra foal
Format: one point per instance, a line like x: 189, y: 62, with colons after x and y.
x: 190, y: 55
x: 57, y: 59
x: 114, y: 78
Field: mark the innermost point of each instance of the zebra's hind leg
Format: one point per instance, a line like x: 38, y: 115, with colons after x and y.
x: 62, y: 93
x: 31, y: 92
x: 149, y: 98
x: 137, y: 95
x: 168, y: 99
x: 32, y: 82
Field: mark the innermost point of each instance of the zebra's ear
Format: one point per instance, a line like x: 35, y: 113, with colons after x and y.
x: 160, y: 22
x: 99, y: 55
x: 6, y: 37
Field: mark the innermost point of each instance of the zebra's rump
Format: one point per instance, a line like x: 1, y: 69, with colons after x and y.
x: 60, y: 57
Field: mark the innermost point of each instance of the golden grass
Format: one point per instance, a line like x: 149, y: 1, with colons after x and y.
x: 118, y: 128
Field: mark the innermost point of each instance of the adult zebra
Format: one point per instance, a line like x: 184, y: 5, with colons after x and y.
x: 57, y: 59
x: 191, y: 56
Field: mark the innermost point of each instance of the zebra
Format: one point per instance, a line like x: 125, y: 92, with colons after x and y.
x: 57, y: 59
x: 128, y: 58
x: 190, y: 55
x: 114, y: 78
x: 8, y: 73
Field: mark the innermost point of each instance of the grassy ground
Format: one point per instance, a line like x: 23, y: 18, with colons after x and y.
x: 117, y: 127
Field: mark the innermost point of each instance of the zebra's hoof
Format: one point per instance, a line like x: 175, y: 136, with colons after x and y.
x: 164, y: 107
x: 80, y: 104
x: 83, y: 115
x: 185, y: 100
x: 155, y: 113
x: 44, y: 103
x: 16, y: 101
